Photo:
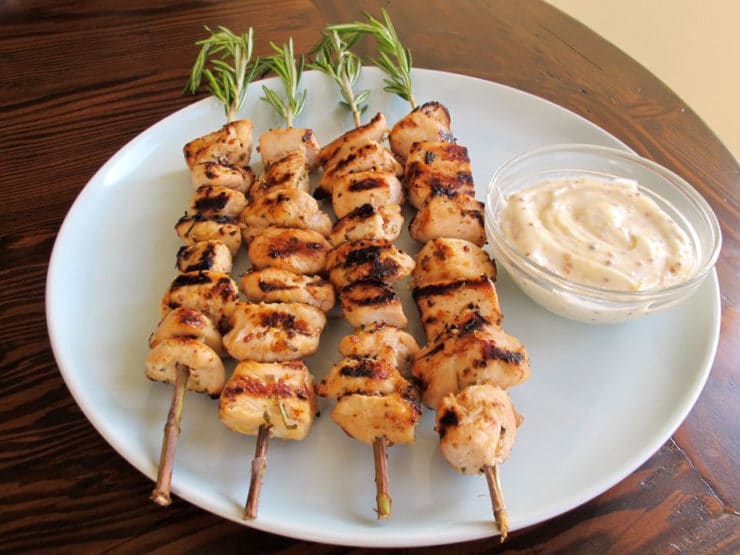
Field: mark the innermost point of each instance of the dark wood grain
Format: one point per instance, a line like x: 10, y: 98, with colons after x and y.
x: 79, y: 81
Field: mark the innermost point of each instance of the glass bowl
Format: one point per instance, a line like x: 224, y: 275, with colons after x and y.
x: 588, y: 303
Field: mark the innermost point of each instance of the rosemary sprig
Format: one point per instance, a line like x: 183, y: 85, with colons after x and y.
x: 332, y: 56
x: 283, y: 63
x: 226, y: 82
x: 393, y: 58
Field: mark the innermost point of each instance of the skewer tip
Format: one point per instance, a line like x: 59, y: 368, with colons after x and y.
x: 383, y: 501
x: 161, y: 498
x: 259, y: 463
x: 497, y: 500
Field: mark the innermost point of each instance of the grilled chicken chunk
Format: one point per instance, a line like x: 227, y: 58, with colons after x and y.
x: 287, y: 208
x: 365, y: 417
x: 210, y: 201
x: 364, y: 156
x: 437, y: 168
x: 230, y: 145
x: 368, y: 222
x: 274, y: 332
x: 205, y: 255
x: 477, y: 427
x: 367, y: 259
x: 374, y: 130
x: 449, y: 214
x: 220, y: 175
x: 446, y: 259
x: 288, y: 172
x: 447, y: 303
x: 278, y: 142
x: 213, y: 293
x: 278, y: 393
x: 193, y: 324
x: 301, y: 251
x: 383, y: 342
x: 377, y: 188
x: 274, y: 285
x: 365, y: 375
x: 196, y: 228
x: 371, y: 302
x: 428, y: 122
x: 205, y: 369
x: 475, y: 352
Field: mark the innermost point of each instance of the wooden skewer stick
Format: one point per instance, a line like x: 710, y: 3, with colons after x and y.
x: 382, y: 497
x: 258, y: 470
x: 497, y: 499
x: 161, y: 493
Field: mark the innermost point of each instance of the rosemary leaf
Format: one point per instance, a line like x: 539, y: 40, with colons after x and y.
x: 283, y: 63
x: 231, y: 68
x: 392, y: 58
x: 332, y: 56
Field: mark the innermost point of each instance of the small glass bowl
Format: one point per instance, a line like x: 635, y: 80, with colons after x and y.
x: 584, y: 302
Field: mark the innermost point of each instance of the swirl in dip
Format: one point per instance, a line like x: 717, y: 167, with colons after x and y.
x: 598, y: 232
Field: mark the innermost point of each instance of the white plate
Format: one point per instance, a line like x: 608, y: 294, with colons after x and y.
x: 601, y: 400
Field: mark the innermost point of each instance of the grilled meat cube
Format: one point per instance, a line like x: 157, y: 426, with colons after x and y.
x: 374, y: 130
x: 274, y: 285
x: 278, y: 393
x: 210, y: 201
x: 446, y: 303
x: 477, y: 427
x: 365, y: 417
x: 437, y: 168
x: 288, y: 172
x: 278, y: 142
x: 222, y: 175
x: 474, y: 352
x: 300, y: 251
x: 377, y: 188
x: 213, y: 293
x: 368, y: 222
x: 446, y: 259
x: 367, y: 259
x: 230, y: 145
x: 284, y: 207
x: 364, y: 156
x: 190, y: 323
x: 365, y: 375
x: 274, y: 332
x: 204, y: 255
x: 449, y: 214
x: 381, y: 341
x: 205, y: 369
x: 428, y: 122
x: 196, y: 228
x: 371, y: 302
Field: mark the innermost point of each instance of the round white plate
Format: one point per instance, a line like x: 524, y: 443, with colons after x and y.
x: 601, y: 400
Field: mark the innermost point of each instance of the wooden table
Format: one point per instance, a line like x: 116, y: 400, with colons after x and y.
x: 78, y: 82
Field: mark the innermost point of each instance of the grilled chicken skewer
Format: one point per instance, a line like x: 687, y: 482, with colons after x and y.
x: 469, y: 359
x: 271, y: 392
x: 375, y: 403
x: 187, y: 344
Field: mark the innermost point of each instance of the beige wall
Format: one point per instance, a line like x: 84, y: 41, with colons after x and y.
x: 691, y: 45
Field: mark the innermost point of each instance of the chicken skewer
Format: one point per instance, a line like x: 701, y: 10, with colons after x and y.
x: 375, y: 403
x: 459, y: 306
x: 187, y: 344
x: 270, y: 393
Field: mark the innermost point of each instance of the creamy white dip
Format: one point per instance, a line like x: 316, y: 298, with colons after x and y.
x: 597, y: 232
